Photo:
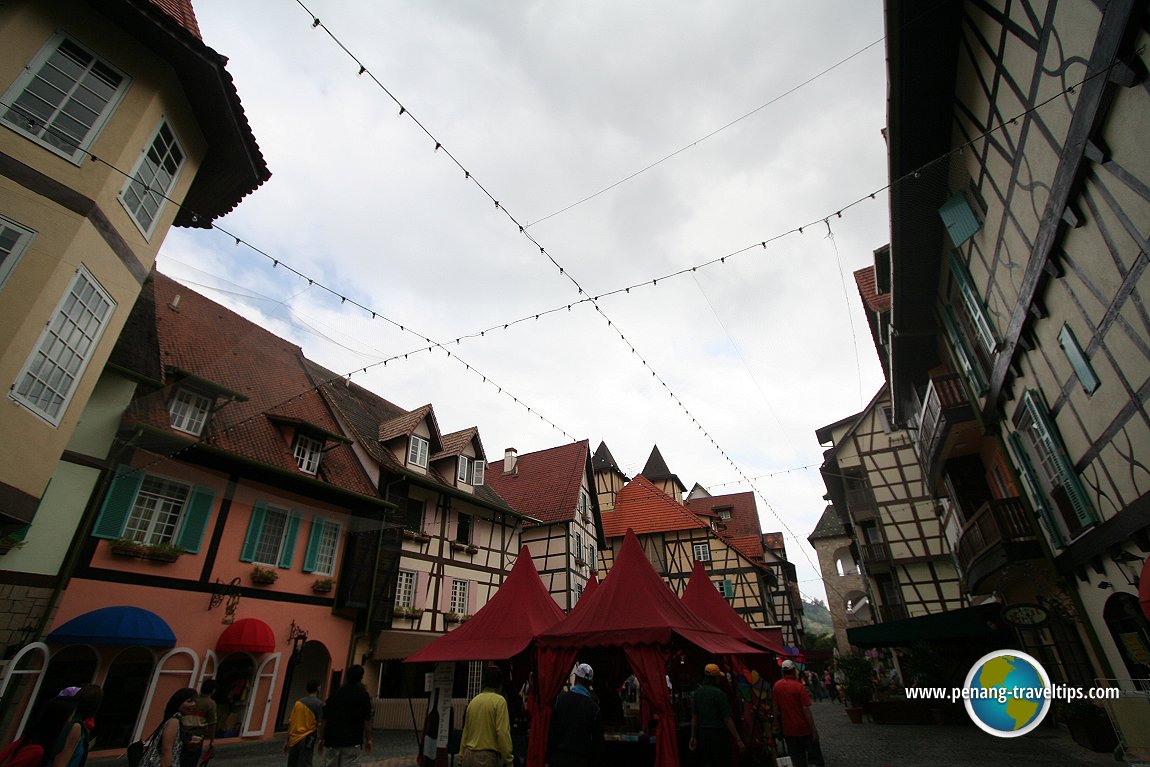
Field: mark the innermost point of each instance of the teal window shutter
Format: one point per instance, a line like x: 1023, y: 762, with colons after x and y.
x: 287, y: 548
x: 196, y: 519
x: 959, y: 219
x: 118, y: 502
x: 255, y: 526
x: 1082, y: 368
x: 972, y: 301
x: 313, y: 541
x: 1030, y: 477
x: 962, y: 354
x: 1059, y: 461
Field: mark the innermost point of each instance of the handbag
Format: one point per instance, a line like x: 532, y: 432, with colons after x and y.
x: 149, y: 747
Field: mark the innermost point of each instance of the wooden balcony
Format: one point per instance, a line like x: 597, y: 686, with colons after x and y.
x: 874, y: 554
x: 944, y: 407
x: 999, y: 532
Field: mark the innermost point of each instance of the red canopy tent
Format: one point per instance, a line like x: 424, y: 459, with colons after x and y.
x: 505, y: 626
x: 704, y: 600
x: 633, y: 610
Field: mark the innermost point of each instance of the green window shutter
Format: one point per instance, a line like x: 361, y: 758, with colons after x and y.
x: 118, y: 502
x: 313, y: 540
x: 1082, y: 368
x: 962, y: 353
x: 255, y: 526
x: 291, y: 533
x: 1048, y: 437
x: 973, y: 303
x: 196, y: 519
x: 1030, y: 477
x: 959, y: 218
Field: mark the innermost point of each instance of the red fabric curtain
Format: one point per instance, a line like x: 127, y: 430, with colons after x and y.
x: 649, y: 664
x: 554, y: 665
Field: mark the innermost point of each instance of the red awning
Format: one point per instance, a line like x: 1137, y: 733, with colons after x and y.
x: 1144, y: 588
x: 247, y: 635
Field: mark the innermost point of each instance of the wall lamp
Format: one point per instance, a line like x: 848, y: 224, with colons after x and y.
x: 1106, y: 585
x: 1125, y: 560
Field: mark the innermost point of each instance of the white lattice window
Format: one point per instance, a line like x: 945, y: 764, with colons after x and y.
x: 470, y: 470
x: 156, y: 512
x: 271, y: 537
x: 458, y: 596
x: 63, y: 97
x: 702, y: 552
x: 53, y: 370
x: 308, y: 451
x: 189, y: 411
x: 405, y: 589
x: 322, y: 547
x: 417, y: 451
x: 14, y: 241
x: 147, y: 190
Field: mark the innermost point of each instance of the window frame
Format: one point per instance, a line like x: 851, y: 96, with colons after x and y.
x: 121, y: 499
x: 418, y: 451
x: 24, y: 237
x: 401, y: 590
x: 470, y: 470
x: 156, y: 491
x: 457, y: 601
x: 322, y: 546
x: 32, y: 72
x: 704, y: 548
x: 464, y: 528
x: 254, y: 538
x: 204, y: 407
x: 312, y: 448
x: 73, y: 296
x: 149, y: 192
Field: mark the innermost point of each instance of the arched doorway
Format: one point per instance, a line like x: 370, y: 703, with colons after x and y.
x: 233, y: 691
x: 124, y: 689
x: 72, y: 666
x: 313, y: 662
x: 1131, y: 632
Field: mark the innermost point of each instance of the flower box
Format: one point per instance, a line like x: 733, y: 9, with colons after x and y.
x: 455, y: 618
x: 407, y: 613
x: 160, y: 552
x: 262, y: 576
x: 466, y: 548
x: 323, y: 585
x: 416, y: 535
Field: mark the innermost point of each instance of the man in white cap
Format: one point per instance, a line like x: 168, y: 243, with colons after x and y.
x: 576, y: 725
x: 793, y: 718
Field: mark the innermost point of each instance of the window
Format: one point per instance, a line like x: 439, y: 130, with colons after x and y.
x: 974, y: 316
x: 470, y: 470
x: 591, y: 554
x: 724, y: 512
x: 322, y: 547
x: 702, y: 552
x: 405, y: 589
x: 1086, y: 375
x: 584, y: 503
x: 959, y: 218
x: 458, y: 597
x: 578, y: 546
x: 14, y: 240
x: 1048, y: 472
x: 417, y: 451
x: 463, y: 529
x: 308, y: 451
x: 53, y: 370
x: 152, y: 180
x: 271, y: 536
x: 578, y: 592
x: 726, y: 587
x: 966, y: 361
x: 189, y: 411
x: 154, y: 510
x: 63, y: 98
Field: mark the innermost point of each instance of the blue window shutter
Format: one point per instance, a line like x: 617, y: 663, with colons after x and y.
x: 252, y: 539
x: 196, y: 519
x: 287, y: 550
x: 973, y: 303
x: 312, y: 550
x: 118, y: 502
x: 1082, y: 368
x: 962, y: 353
x: 1030, y: 477
x: 959, y: 219
x: 1052, y: 443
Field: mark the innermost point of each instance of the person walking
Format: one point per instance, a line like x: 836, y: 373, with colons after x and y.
x: 36, y: 747
x: 174, y: 739
x: 832, y: 688
x: 793, y: 718
x: 345, y: 729
x: 76, y: 740
x: 712, y: 724
x: 576, y: 734
x: 200, y: 726
x: 486, y: 740
x: 303, y: 724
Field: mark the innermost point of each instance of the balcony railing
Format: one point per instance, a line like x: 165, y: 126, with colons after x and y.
x: 945, y: 404
x: 873, y: 553
x: 996, y: 522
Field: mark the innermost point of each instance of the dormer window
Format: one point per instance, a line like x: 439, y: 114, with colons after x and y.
x: 189, y: 411
x: 723, y: 512
x: 417, y: 451
x: 470, y: 470
x: 308, y: 450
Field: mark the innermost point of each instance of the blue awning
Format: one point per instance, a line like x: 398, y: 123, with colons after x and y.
x: 121, y: 624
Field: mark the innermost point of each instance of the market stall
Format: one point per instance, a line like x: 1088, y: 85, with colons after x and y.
x: 631, y: 624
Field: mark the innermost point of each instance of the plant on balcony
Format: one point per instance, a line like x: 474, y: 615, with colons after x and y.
x: 9, y: 542
x: 157, y: 552
x: 416, y: 535
x: 467, y: 548
x: 263, y: 576
x: 454, y: 617
x: 323, y: 585
x: 405, y: 611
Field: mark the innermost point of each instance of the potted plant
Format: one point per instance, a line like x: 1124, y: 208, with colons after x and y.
x: 455, y: 618
x: 162, y: 552
x: 416, y: 535
x: 1088, y: 724
x: 858, y: 686
x: 126, y: 547
x: 323, y: 585
x: 263, y: 576
x: 411, y: 613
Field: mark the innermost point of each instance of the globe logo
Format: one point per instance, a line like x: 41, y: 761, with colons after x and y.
x: 1007, y: 693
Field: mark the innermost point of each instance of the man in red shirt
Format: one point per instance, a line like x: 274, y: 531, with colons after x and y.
x: 793, y: 719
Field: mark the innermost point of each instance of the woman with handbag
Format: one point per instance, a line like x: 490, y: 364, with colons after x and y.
x: 173, y: 740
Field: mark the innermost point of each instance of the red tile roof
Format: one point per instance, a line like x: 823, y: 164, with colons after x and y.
x: 181, y: 11
x: 868, y: 289
x: 742, y: 530
x: 647, y: 509
x: 453, y: 444
x: 404, y: 425
x: 546, y: 483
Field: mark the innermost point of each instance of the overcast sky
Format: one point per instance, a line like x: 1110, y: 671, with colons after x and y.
x: 544, y: 105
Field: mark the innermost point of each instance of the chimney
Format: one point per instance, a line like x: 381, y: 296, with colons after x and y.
x: 510, y: 462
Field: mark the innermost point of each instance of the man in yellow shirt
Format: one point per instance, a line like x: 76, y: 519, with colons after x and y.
x: 302, y: 727
x: 486, y: 740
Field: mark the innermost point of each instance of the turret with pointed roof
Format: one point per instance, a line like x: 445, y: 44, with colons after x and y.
x: 662, y: 477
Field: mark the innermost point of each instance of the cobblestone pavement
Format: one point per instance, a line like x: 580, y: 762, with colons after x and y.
x: 844, y: 744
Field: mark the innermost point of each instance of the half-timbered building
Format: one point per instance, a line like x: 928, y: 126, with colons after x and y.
x: 609, y: 478
x: 1020, y: 217
x: 555, y: 488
